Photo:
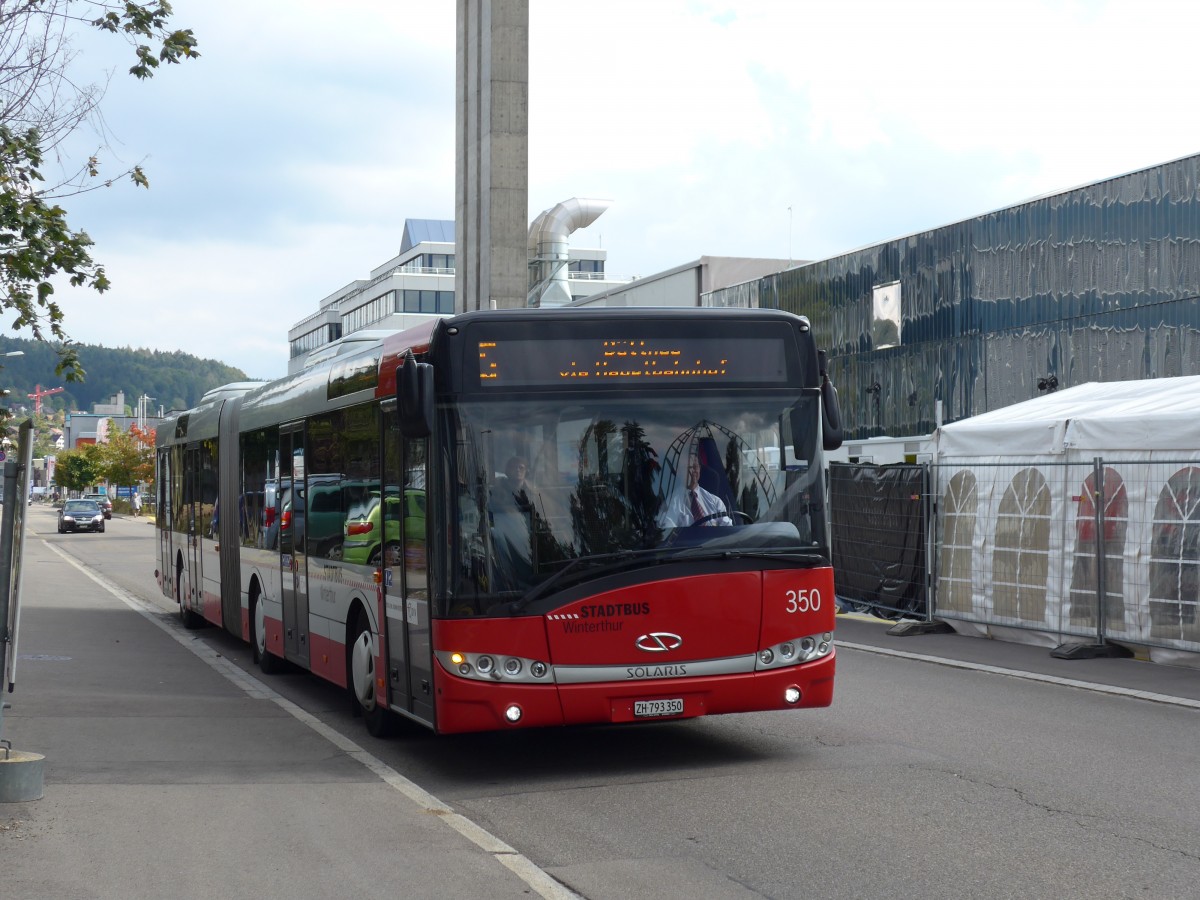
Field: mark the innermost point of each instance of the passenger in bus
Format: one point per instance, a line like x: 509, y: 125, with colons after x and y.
x: 516, y: 484
x: 694, y: 505
x: 510, y: 521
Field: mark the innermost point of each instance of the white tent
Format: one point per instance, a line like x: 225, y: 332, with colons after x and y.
x: 1075, y: 515
x: 1105, y: 417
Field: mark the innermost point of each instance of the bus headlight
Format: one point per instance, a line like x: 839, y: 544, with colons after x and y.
x: 796, y: 651
x: 496, y: 667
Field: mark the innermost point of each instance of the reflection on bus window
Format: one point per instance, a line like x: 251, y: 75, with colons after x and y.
x: 610, y: 477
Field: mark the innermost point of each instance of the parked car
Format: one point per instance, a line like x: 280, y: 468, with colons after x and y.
x: 103, y: 502
x: 80, y: 515
x: 367, y: 540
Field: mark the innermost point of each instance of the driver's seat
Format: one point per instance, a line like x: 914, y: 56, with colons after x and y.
x: 712, y: 473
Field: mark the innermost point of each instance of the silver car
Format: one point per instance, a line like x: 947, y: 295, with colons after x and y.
x: 103, y: 502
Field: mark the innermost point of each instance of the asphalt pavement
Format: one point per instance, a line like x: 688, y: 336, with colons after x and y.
x: 170, y: 771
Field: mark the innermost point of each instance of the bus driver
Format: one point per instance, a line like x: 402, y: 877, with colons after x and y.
x: 694, y: 505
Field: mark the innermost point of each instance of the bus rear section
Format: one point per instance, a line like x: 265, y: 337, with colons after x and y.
x: 700, y: 640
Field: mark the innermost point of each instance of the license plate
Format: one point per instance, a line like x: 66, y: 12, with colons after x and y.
x: 650, y: 708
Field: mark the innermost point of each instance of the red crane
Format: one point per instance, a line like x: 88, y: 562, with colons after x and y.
x: 38, y: 393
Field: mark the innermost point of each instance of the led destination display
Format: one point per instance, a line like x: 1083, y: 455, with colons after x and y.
x: 543, y: 363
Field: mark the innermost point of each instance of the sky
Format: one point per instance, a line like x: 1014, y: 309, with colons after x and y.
x: 284, y: 161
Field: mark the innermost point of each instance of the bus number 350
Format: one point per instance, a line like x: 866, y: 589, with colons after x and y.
x: 803, y: 600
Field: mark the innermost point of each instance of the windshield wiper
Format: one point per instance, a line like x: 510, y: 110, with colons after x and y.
x: 616, y: 559
x: 798, y: 556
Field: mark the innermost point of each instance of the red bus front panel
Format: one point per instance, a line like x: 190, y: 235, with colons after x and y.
x: 673, y: 648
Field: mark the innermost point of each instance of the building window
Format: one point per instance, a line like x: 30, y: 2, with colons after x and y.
x: 428, y: 302
x: 318, y: 337
x: 369, y: 313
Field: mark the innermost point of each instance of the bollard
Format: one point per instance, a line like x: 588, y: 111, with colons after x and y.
x: 22, y: 776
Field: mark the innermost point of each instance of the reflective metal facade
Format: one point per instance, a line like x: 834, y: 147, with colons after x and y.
x: 1099, y: 283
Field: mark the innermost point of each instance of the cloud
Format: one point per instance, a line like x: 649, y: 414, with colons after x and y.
x: 220, y: 299
x: 284, y: 162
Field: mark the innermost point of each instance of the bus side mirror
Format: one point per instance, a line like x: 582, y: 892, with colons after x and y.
x: 414, y: 399
x: 832, y: 434
x: 804, y: 436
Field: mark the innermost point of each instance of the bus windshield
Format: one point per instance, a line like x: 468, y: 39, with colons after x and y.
x: 540, y: 490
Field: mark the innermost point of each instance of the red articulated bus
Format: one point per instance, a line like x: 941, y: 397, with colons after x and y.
x: 522, y: 518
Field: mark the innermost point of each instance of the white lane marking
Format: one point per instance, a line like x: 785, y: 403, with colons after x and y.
x: 1027, y: 676
x: 537, y: 879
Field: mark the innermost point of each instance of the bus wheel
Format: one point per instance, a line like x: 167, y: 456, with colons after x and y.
x: 269, y: 663
x: 361, y: 680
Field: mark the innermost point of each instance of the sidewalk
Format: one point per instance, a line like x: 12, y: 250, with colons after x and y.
x: 1179, y: 685
x: 171, y: 774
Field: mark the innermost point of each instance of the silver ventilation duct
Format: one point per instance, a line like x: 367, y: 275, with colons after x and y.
x: 549, y: 251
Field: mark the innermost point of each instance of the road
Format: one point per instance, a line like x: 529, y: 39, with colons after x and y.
x: 922, y: 780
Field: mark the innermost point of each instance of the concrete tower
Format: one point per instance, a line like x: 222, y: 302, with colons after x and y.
x: 491, y: 203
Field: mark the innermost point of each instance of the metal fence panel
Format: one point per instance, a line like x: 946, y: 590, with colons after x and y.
x: 879, y: 537
x: 1105, y: 549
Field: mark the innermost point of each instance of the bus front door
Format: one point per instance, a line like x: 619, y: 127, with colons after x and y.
x: 195, y: 565
x: 164, y: 509
x: 292, y: 558
x: 405, y: 568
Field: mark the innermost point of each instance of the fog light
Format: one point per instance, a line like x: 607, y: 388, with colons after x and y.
x: 538, y: 669
x: 824, y: 648
x: 464, y: 669
x: 792, y: 694
x: 513, y: 714
x: 484, y: 664
x: 512, y: 666
x: 766, y: 656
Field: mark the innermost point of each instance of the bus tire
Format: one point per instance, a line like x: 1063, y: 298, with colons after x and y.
x: 268, y: 662
x: 360, y: 680
x: 191, y: 621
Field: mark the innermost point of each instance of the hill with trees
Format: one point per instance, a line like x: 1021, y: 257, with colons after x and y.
x: 175, y: 380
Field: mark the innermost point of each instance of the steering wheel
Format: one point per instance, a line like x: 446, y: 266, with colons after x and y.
x: 724, y: 515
